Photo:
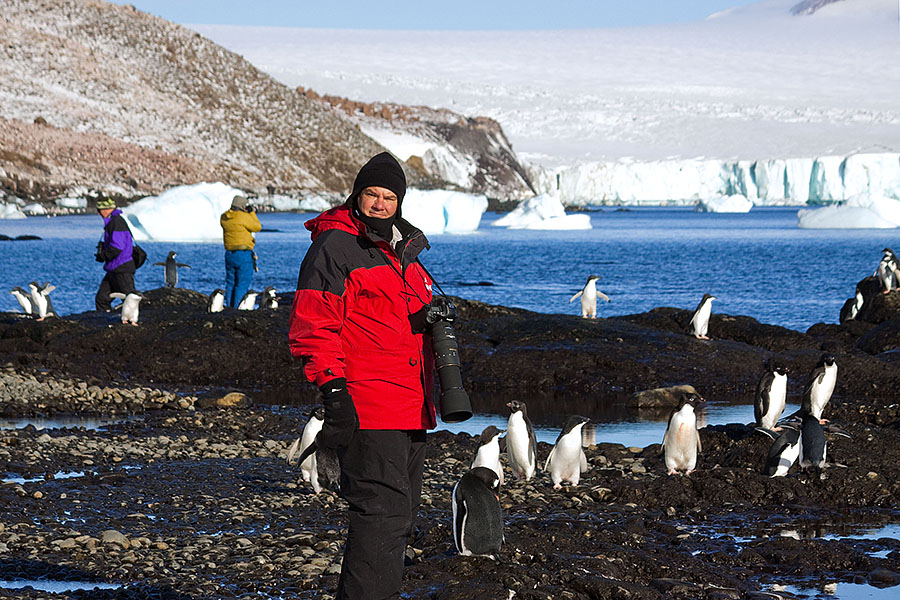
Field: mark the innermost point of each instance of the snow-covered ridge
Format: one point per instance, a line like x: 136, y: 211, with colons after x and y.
x: 773, y: 181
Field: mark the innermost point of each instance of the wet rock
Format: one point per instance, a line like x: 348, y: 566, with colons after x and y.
x: 660, y: 397
x: 884, y: 578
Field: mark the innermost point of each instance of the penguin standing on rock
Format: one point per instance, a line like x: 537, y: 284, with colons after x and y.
x: 784, y: 451
x: 171, y: 271
x: 248, y: 302
x: 521, y: 443
x: 309, y: 466
x: 567, y: 460
x: 269, y: 299
x: 699, y: 324
x: 888, y: 271
x: 819, y: 387
x: 589, y: 297
x: 771, y: 392
x: 216, y: 301
x: 130, y: 306
x: 851, y: 307
x: 488, y: 454
x: 40, y: 300
x: 681, y: 442
x: 477, y: 518
x: 24, y: 299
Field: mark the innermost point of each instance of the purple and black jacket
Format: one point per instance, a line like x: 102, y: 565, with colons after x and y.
x: 117, y: 243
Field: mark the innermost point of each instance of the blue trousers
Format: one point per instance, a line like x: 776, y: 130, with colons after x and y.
x: 238, y: 275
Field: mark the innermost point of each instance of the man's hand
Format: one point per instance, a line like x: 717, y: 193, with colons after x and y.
x: 341, y: 420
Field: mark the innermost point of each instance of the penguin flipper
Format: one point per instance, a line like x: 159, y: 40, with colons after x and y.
x: 602, y: 295
x: 768, y: 432
x: 699, y: 445
x: 183, y: 265
x: 549, y: 458
x: 578, y: 293
x: 159, y: 264
x: 295, y: 447
x: 583, y: 461
x: 459, y: 526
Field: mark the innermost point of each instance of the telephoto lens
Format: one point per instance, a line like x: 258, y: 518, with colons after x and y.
x: 454, y: 401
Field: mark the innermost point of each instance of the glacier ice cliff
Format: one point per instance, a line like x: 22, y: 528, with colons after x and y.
x: 777, y: 181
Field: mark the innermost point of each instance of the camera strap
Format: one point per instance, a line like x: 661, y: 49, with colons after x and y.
x: 433, y: 280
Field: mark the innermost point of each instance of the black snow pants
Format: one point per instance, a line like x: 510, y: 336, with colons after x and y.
x: 381, y: 480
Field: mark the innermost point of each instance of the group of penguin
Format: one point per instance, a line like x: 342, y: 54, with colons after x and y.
x: 36, y: 301
x: 698, y: 324
x: 888, y: 275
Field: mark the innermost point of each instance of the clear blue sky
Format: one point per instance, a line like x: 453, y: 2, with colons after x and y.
x: 435, y: 14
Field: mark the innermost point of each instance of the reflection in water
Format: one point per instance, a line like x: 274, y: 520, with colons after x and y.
x: 57, y: 587
x: 611, y: 422
x: 64, y: 421
x: 842, y: 590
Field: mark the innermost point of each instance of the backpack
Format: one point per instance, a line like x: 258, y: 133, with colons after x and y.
x: 138, y: 256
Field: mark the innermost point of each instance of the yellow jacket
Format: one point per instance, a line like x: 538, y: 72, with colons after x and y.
x: 237, y: 228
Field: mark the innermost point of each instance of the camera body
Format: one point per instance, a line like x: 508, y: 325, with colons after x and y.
x: 454, y: 402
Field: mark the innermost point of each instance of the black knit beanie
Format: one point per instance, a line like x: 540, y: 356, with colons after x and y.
x: 382, y: 170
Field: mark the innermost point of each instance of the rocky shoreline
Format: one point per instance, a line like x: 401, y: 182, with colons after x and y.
x: 188, y: 496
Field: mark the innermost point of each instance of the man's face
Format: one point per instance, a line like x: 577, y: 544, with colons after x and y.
x: 378, y: 202
x: 105, y: 212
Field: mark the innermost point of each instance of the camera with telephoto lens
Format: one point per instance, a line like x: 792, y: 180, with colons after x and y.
x: 454, y: 402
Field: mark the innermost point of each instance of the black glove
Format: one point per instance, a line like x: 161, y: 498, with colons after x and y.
x: 98, y: 256
x: 341, y: 420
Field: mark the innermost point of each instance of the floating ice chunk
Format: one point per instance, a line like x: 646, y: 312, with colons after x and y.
x: 736, y: 203
x: 544, y: 211
x: 443, y: 211
x: 187, y: 213
x: 10, y: 211
x: 71, y: 202
x: 859, y: 212
x: 34, y: 209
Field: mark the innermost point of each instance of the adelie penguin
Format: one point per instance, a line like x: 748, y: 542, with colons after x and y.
x: 130, y: 306
x: 216, y: 301
x: 567, y: 460
x: 269, y: 299
x: 41, y: 307
x: 819, y: 387
x: 888, y: 271
x: 24, y: 300
x: 681, y: 442
x: 699, y: 324
x: 589, y: 297
x: 248, y: 302
x: 851, y: 307
x: 321, y: 465
x: 771, y: 394
x: 477, y: 518
x: 784, y: 451
x: 488, y: 454
x: 521, y: 443
x: 171, y: 271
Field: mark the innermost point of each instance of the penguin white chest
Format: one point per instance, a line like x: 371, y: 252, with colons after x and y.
x: 700, y: 321
x: 518, y: 446
x: 681, y: 443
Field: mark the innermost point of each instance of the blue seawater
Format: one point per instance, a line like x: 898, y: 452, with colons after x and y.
x: 757, y: 264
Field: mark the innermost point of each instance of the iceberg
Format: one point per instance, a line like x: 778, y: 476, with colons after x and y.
x: 187, y: 213
x: 443, y: 211
x: 10, y: 211
x: 544, y: 211
x: 313, y: 203
x: 71, y: 202
x: 725, y: 204
x: 34, y: 209
x: 859, y: 212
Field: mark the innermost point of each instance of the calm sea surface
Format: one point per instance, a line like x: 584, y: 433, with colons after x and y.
x: 757, y: 264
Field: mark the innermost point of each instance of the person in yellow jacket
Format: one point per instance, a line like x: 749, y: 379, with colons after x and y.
x: 238, y: 225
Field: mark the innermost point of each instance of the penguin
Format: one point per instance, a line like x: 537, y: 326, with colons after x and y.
x: 784, y: 451
x: 477, y: 518
x: 131, y: 304
x: 681, y: 442
x: 24, y: 299
x: 589, y: 297
x: 269, y: 299
x: 308, y: 467
x: 248, y: 302
x: 216, y: 301
x: 851, y: 307
x: 488, y: 454
x: 888, y: 271
x: 171, y: 271
x: 567, y: 459
x: 812, y: 444
x: 521, y: 444
x: 771, y: 392
x: 819, y: 387
x: 40, y: 300
x: 699, y: 324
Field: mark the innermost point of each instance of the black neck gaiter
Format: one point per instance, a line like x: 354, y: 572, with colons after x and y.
x: 383, y: 228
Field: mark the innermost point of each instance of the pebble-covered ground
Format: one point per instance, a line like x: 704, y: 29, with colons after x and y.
x: 189, y: 496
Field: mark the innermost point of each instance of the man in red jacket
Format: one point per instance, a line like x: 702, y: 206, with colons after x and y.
x: 357, y: 323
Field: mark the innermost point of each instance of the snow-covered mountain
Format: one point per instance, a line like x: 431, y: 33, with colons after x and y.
x: 780, y: 83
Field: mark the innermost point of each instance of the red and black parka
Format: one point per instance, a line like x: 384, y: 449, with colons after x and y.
x: 355, y: 316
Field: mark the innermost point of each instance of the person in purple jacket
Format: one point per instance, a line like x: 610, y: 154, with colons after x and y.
x: 115, y: 252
